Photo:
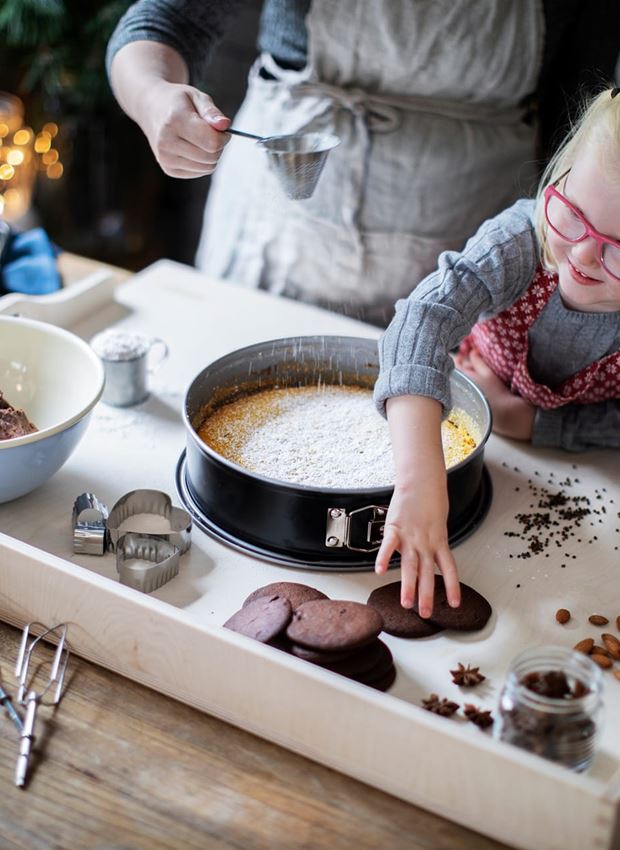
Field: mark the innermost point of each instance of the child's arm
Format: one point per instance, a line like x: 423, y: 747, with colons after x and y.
x: 416, y: 523
x: 513, y: 416
x: 576, y: 427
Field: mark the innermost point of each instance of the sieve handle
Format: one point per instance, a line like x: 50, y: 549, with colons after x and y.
x: 245, y: 135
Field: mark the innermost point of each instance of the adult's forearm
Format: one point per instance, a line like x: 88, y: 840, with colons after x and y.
x: 192, y: 28
x: 138, y: 67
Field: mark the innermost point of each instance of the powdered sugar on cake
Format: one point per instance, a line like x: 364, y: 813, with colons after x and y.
x: 321, y: 436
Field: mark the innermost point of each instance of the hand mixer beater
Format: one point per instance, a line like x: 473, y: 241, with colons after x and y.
x: 50, y: 689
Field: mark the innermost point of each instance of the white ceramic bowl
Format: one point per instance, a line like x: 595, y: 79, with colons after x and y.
x: 57, y: 379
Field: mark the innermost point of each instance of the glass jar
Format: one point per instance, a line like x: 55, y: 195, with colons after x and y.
x: 551, y: 705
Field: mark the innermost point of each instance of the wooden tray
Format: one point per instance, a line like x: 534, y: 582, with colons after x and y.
x: 173, y: 642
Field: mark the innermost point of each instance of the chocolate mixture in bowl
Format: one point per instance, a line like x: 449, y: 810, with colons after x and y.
x: 321, y: 435
x: 13, y: 422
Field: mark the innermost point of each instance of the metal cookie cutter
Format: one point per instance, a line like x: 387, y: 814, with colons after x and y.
x: 164, y: 556
x: 89, y: 525
x: 150, y: 502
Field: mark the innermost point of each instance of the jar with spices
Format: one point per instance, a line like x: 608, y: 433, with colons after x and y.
x: 551, y: 705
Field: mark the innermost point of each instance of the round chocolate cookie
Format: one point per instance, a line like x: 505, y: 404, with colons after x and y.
x: 315, y: 656
x: 263, y: 619
x: 382, y: 660
x: 296, y: 594
x: 334, y: 624
x: 359, y: 661
x: 384, y: 681
x: 472, y: 614
x: 399, y: 621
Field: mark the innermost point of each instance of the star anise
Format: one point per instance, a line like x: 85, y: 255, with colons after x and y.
x: 477, y: 715
x: 444, y: 707
x: 467, y: 677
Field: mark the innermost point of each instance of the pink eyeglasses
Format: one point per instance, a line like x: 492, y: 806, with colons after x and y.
x: 570, y: 224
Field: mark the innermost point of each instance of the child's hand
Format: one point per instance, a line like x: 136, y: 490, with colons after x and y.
x: 416, y: 523
x: 513, y: 416
x: 416, y: 527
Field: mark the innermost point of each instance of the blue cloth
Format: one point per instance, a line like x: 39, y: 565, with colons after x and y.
x: 28, y: 264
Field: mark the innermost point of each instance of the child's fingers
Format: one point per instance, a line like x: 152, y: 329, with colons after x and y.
x: 408, y: 577
x: 389, y: 544
x: 426, y: 586
x: 447, y: 565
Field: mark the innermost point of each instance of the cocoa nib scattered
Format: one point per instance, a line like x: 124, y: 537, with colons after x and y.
x: 478, y: 716
x: 467, y: 677
x: 556, y: 518
x: 444, y: 707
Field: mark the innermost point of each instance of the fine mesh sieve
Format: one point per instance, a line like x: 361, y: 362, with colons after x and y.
x: 296, y: 159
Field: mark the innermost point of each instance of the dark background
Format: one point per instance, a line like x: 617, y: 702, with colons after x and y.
x: 113, y: 203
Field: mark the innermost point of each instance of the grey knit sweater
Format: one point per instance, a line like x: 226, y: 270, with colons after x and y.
x: 494, y: 269
x: 580, y: 45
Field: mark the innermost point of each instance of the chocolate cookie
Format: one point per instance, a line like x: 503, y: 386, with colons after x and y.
x: 472, y: 614
x: 315, y: 656
x: 381, y: 659
x: 296, y: 594
x: 399, y: 621
x: 383, y: 682
x: 262, y: 619
x: 333, y: 624
x: 359, y: 661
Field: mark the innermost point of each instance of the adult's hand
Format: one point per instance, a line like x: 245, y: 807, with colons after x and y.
x: 185, y: 129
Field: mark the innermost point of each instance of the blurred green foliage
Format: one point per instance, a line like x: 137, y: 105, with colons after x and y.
x: 53, y: 52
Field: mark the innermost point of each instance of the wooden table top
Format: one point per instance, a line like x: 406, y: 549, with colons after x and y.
x: 120, y: 766
x: 117, y: 765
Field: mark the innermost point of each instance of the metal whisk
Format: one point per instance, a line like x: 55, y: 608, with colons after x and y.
x: 31, y: 698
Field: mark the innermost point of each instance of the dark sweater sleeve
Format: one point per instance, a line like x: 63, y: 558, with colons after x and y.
x: 576, y: 427
x: 191, y: 27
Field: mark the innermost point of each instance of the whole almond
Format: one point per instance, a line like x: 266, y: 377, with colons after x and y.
x: 617, y: 674
x: 612, y: 645
x: 562, y: 615
x: 602, y: 660
x: 600, y: 650
x: 598, y: 620
x: 584, y: 646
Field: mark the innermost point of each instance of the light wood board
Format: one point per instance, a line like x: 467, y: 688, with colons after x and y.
x: 173, y: 641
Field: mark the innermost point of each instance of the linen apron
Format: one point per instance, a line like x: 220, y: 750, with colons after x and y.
x: 424, y: 95
x: 503, y: 343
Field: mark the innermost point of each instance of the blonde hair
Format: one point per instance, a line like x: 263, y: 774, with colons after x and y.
x: 598, y: 123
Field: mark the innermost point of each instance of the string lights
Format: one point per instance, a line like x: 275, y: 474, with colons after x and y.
x: 23, y: 154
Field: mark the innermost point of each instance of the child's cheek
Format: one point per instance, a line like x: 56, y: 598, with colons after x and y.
x: 557, y: 248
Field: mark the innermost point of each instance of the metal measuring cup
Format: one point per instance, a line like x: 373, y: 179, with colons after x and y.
x: 297, y: 159
x: 125, y: 358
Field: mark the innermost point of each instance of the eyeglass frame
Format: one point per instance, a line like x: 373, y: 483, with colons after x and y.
x: 599, y: 238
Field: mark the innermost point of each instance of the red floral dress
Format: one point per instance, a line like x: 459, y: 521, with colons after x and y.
x: 503, y: 344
